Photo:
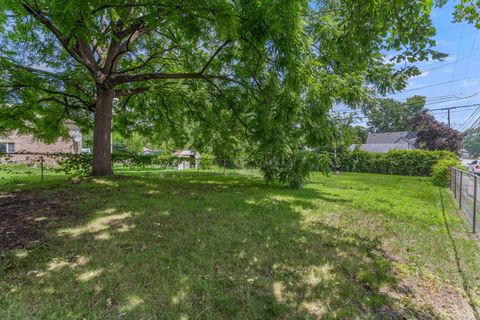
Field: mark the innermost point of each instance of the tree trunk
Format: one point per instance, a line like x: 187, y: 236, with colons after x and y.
x: 102, y: 132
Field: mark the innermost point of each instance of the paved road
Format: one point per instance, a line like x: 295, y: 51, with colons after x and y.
x: 465, y: 162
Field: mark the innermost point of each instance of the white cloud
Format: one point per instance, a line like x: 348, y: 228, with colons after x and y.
x: 452, y: 58
x: 423, y: 74
x: 411, y: 85
x: 469, y: 83
x: 388, y: 60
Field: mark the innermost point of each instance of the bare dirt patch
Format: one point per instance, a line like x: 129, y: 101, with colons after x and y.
x: 26, y: 216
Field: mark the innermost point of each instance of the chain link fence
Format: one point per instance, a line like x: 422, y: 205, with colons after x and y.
x: 25, y: 168
x: 464, y: 186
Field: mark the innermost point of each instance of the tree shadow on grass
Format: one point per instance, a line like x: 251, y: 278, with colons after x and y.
x: 465, y: 283
x: 193, y: 248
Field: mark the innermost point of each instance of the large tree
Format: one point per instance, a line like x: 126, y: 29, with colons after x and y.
x: 390, y: 115
x: 201, y: 71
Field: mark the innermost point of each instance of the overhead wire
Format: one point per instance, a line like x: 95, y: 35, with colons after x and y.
x: 475, y: 124
x: 438, y: 84
x: 470, y: 118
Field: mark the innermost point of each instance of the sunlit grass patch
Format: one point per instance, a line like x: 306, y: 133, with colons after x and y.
x: 191, y: 245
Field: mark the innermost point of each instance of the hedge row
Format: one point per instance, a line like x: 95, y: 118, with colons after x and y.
x: 402, y: 162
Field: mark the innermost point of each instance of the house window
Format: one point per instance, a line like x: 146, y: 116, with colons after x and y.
x: 7, y: 147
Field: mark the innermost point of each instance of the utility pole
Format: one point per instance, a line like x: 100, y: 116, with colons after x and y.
x: 451, y: 108
x: 448, y: 116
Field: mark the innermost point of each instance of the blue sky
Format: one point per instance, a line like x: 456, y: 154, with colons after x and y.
x: 454, y: 81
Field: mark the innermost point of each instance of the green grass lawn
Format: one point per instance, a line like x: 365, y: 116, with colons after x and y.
x: 191, y: 245
x: 22, y: 176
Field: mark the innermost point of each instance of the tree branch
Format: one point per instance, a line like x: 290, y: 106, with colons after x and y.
x: 209, y: 61
x: 118, y: 48
x: 89, y: 106
x: 126, y: 78
x: 128, y: 5
x: 76, y: 52
x: 130, y: 92
x: 63, y: 103
x: 125, y: 47
x: 149, y: 59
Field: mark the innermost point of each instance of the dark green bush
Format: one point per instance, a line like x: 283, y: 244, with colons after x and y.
x: 402, y: 162
x: 441, y: 171
x: 76, y: 165
x: 293, y: 169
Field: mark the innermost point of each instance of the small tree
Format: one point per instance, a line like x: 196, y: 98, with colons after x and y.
x: 434, y: 135
x: 359, y: 134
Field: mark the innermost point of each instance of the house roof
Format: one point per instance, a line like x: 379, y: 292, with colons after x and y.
x: 384, y: 147
x: 72, y: 126
x: 185, y: 153
x: 392, y: 137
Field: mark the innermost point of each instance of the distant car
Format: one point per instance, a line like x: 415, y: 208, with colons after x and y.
x: 474, y: 167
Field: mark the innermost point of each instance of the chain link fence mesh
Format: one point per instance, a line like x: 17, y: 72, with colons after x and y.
x: 30, y: 168
x: 464, y: 186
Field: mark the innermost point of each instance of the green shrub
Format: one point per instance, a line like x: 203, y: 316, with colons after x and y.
x: 76, y: 165
x: 441, y: 171
x: 293, y: 169
x: 403, y: 162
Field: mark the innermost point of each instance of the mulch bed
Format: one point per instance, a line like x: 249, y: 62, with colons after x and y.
x: 25, y: 217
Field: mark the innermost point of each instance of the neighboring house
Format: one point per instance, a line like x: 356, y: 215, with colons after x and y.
x: 147, y: 151
x: 22, y: 148
x: 384, y: 142
x: 192, y: 156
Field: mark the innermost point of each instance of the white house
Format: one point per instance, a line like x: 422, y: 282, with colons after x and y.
x: 192, y: 159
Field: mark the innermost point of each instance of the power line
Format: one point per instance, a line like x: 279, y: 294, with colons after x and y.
x: 436, y: 113
x: 465, y: 124
x: 451, y: 99
x: 439, y: 84
x: 349, y: 111
x: 453, y: 62
x: 468, y: 62
x: 477, y: 121
x: 456, y: 61
x: 457, y: 107
x: 435, y: 98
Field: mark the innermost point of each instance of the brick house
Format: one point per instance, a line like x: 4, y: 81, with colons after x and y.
x: 15, y: 144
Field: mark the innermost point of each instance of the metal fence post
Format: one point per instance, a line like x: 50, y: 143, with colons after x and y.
x: 41, y: 166
x: 460, y: 191
x: 455, y: 183
x: 452, y: 180
x: 475, y: 204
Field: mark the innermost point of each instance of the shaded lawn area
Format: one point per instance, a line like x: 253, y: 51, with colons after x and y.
x: 198, y: 246
x: 21, y: 176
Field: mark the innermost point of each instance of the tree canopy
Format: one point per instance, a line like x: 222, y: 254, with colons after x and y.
x: 205, y: 73
x: 389, y: 115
